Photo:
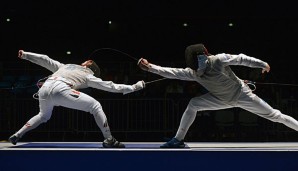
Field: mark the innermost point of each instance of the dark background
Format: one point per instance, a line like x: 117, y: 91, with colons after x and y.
x: 154, y: 30
x: 266, y: 30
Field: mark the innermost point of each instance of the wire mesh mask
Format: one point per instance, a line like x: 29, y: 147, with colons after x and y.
x: 194, y: 54
x: 96, y: 70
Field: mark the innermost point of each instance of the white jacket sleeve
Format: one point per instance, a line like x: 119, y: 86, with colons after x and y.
x: 42, y: 60
x: 109, y: 86
x: 241, y: 59
x: 173, y: 73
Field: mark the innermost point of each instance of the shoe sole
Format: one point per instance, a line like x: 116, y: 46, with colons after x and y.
x: 182, y: 146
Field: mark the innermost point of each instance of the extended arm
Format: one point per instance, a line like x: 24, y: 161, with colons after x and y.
x: 112, y: 87
x: 42, y: 60
x: 173, y: 73
x: 244, y: 60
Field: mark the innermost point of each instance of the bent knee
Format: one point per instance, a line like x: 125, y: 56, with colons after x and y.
x: 96, y: 108
x: 44, y: 118
x: 191, y: 106
x: 192, y: 103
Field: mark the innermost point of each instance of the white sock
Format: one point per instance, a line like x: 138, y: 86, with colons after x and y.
x: 187, y: 119
x: 102, y: 123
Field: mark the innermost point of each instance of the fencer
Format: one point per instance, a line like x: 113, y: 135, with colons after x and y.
x: 61, y: 89
x: 225, y: 89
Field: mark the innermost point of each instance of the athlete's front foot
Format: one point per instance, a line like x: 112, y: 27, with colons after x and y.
x: 112, y: 143
x: 173, y: 143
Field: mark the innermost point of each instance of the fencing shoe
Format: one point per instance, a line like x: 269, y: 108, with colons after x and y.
x: 13, y: 139
x: 112, y: 143
x: 173, y: 143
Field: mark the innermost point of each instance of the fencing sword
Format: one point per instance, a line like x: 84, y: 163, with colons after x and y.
x: 149, y: 82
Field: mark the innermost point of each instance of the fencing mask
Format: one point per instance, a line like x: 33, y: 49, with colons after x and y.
x: 196, y: 56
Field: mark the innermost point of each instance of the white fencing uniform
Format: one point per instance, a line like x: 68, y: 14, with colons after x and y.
x: 226, y: 90
x: 61, y: 90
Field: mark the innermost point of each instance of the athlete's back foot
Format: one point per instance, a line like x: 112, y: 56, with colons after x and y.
x: 13, y: 139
